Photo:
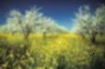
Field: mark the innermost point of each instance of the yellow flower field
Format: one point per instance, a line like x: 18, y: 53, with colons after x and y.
x: 61, y: 51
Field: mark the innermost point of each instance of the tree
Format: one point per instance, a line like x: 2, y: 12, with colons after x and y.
x: 86, y: 23
x: 32, y: 22
x: 99, y: 19
x: 83, y: 21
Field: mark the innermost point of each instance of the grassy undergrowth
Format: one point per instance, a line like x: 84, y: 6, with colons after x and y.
x: 61, y: 51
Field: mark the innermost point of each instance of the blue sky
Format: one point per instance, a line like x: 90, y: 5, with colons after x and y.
x: 60, y: 10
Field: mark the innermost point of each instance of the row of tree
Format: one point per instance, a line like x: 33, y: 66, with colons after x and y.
x: 35, y: 22
x: 87, y: 23
x: 32, y: 21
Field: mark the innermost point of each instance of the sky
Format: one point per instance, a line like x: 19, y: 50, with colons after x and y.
x: 62, y: 11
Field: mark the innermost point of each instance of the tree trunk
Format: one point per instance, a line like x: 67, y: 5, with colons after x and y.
x: 26, y: 36
x: 83, y: 36
x: 44, y: 35
x: 93, y: 38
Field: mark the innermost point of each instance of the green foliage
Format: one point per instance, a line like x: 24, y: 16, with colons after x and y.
x: 62, y: 52
x: 15, y: 55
